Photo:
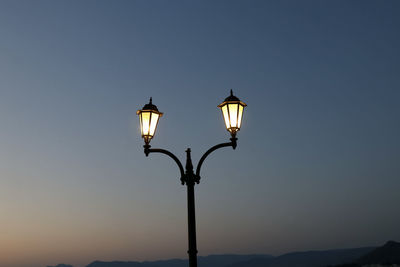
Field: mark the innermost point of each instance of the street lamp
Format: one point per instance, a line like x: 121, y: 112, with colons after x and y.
x: 148, y: 116
x: 232, y: 110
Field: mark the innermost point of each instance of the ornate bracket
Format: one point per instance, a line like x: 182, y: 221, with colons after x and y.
x: 233, y: 144
x: 189, y: 176
x: 148, y: 150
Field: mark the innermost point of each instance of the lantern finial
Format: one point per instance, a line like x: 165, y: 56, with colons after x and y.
x: 231, y: 92
x: 151, y: 99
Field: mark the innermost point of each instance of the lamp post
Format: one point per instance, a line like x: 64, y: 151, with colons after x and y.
x: 232, y: 111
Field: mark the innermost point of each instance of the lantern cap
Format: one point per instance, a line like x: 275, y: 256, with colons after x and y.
x: 231, y: 99
x: 150, y: 107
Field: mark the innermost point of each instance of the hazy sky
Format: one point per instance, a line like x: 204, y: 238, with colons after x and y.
x: 317, y: 163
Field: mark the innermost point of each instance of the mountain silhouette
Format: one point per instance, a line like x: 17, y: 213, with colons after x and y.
x: 295, y: 259
x: 120, y: 264
x: 355, y: 257
x: 387, y: 254
x: 203, y: 261
x: 308, y: 258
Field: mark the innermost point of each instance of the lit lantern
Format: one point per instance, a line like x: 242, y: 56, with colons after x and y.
x: 149, y: 116
x: 232, y: 110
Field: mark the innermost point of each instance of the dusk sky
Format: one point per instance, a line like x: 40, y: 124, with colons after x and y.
x: 318, y: 159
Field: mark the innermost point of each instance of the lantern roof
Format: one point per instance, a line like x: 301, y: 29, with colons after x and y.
x: 150, y: 106
x: 232, y: 97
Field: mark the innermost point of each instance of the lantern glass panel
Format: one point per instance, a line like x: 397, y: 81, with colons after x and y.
x: 145, y: 121
x: 226, y: 116
x: 240, y: 116
x: 153, y: 123
x: 233, y: 114
x: 141, y: 124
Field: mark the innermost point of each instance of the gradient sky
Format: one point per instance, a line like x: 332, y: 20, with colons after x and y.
x: 317, y: 163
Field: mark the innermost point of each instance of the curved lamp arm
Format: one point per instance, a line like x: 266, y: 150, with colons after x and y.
x: 148, y: 150
x: 233, y: 144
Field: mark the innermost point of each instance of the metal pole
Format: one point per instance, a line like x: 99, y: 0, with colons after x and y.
x: 190, y: 181
x: 190, y: 178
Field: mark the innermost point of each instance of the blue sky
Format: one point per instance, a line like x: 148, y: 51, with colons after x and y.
x: 317, y: 163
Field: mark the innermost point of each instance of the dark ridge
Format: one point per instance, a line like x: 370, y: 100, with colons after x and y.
x: 387, y: 254
x: 203, y: 261
x: 308, y: 258
x: 120, y: 264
